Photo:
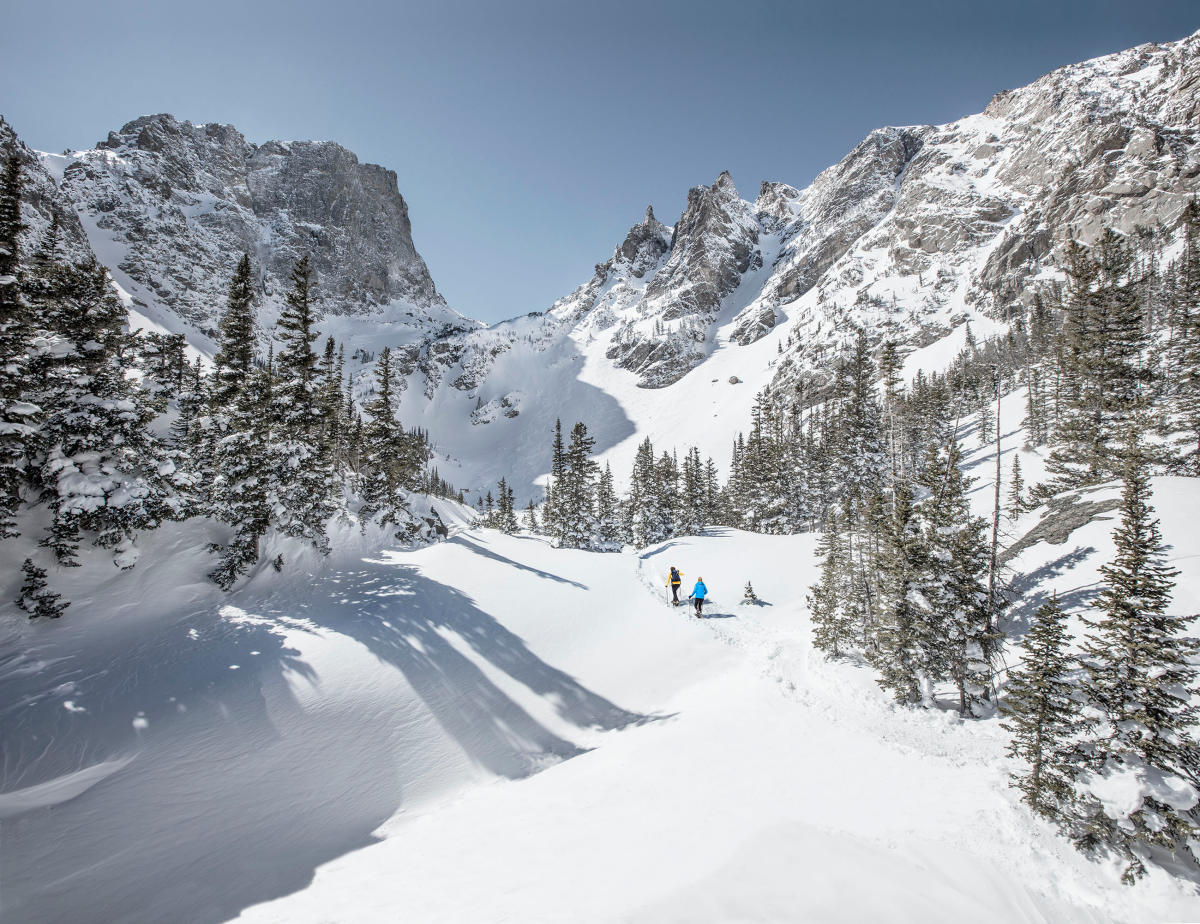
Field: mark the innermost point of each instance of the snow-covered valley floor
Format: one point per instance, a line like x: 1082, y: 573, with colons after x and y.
x: 490, y: 729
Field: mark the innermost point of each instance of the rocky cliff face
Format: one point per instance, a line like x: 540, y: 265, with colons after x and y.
x: 170, y: 206
x: 42, y: 200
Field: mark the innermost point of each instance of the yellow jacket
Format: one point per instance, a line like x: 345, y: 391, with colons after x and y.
x: 677, y: 580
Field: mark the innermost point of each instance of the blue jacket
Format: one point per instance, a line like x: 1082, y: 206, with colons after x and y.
x: 700, y: 590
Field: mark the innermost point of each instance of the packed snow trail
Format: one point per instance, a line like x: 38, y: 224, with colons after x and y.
x: 824, y: 803
x: 492, y: 729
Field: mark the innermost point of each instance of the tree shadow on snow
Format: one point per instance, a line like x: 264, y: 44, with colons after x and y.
x: 235, y: 794
x: 218, y: 807
x: 1027, y: 591
x: 440, y: 640
x: 479, y: 549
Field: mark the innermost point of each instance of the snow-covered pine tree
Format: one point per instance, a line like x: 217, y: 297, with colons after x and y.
x: 234, y: 362
x: 36, y: 597
x: 666, y: 474
x: 102, y: 470
x: 17, y: 413
x: 691, y: 516
x: 241, y: 423
x: 1041, y: 716
x: 832, y: 631
x: 1187, y: 294
x: 608, y: 537
x: 860, y: 455
x: 644, y: 520
x: 531, y: 518
x: 1016, y: 490
x: 901, y: 644
x: 1104, y: 334
x: 558, y: 452
x: 384, y: 467
x: 1142, y: 684
x: 300, y: 468
x: 958, y: 642
x: 329, y: 400
x: 574, y: 492
x: 505, y: 518
x: 712, y: 493
x: 164, y: 366
x: 192, y: 439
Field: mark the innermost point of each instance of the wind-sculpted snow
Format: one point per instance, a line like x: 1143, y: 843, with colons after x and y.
x: 176, y: 754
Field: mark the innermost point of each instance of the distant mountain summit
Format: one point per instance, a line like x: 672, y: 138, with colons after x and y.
x: 170, y: 206
x: 914, y: 232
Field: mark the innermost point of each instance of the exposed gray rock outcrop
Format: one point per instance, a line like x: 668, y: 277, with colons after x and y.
x: 173, y: 205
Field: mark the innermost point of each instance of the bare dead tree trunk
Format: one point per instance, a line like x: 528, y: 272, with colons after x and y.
x: 993, y: 558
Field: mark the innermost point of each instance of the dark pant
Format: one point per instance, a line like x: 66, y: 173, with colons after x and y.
x: 699, y: 604
x: 674, y: 593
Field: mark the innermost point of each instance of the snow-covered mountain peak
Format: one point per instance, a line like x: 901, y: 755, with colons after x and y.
x: 642, y: 248
x: 170, y: 206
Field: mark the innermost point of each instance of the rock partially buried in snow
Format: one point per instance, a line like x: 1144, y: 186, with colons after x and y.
x: 734, y: 380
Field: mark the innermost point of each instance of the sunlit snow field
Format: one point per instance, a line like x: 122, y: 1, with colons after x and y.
x: 493, y: 729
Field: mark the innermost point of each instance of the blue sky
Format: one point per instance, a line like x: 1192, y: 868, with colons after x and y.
x: 528, y: 136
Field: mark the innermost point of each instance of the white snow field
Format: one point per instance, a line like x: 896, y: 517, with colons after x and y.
x: 490, y: 729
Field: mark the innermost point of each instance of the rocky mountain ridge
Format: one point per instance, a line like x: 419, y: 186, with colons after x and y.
x: 917, y: 230
x: 170, y: 206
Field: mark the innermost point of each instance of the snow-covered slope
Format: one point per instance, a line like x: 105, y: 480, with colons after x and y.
x: 492, y: 729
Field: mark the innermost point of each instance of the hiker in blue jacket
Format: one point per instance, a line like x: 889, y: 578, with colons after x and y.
x: 699, y: 592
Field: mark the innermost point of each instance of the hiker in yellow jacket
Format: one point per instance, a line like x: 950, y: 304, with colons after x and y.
x: 673, y: 582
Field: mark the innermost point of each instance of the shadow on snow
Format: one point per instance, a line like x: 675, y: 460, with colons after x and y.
x: 235, y: 794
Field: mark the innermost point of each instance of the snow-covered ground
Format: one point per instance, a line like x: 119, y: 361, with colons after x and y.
x: 490, y: 729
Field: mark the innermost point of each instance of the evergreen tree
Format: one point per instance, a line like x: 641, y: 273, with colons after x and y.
x: 905, y: 643
x: 301, y: 467
x: 832, y: 630
x: 1040, y: 715
x: 574, y: 492
x: 36, y: 598
x: 100, y: 469
x: 860, y: 456
x: 1016, y: 490
x: 504, y: 518
x: 531, y: 518
x: 1104, y: 334
x: 1187, y: 294
x: 1143, y: 684
x: 558, y: 452
x: 644, y: 520
x: 235, y: 359
x: 385, y: 468
x: 608, y: 535
x: 961, y: 644
x: 693, y: 514
x: 192, y: 443
x: 243, y: 494
x: 17, y: 414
